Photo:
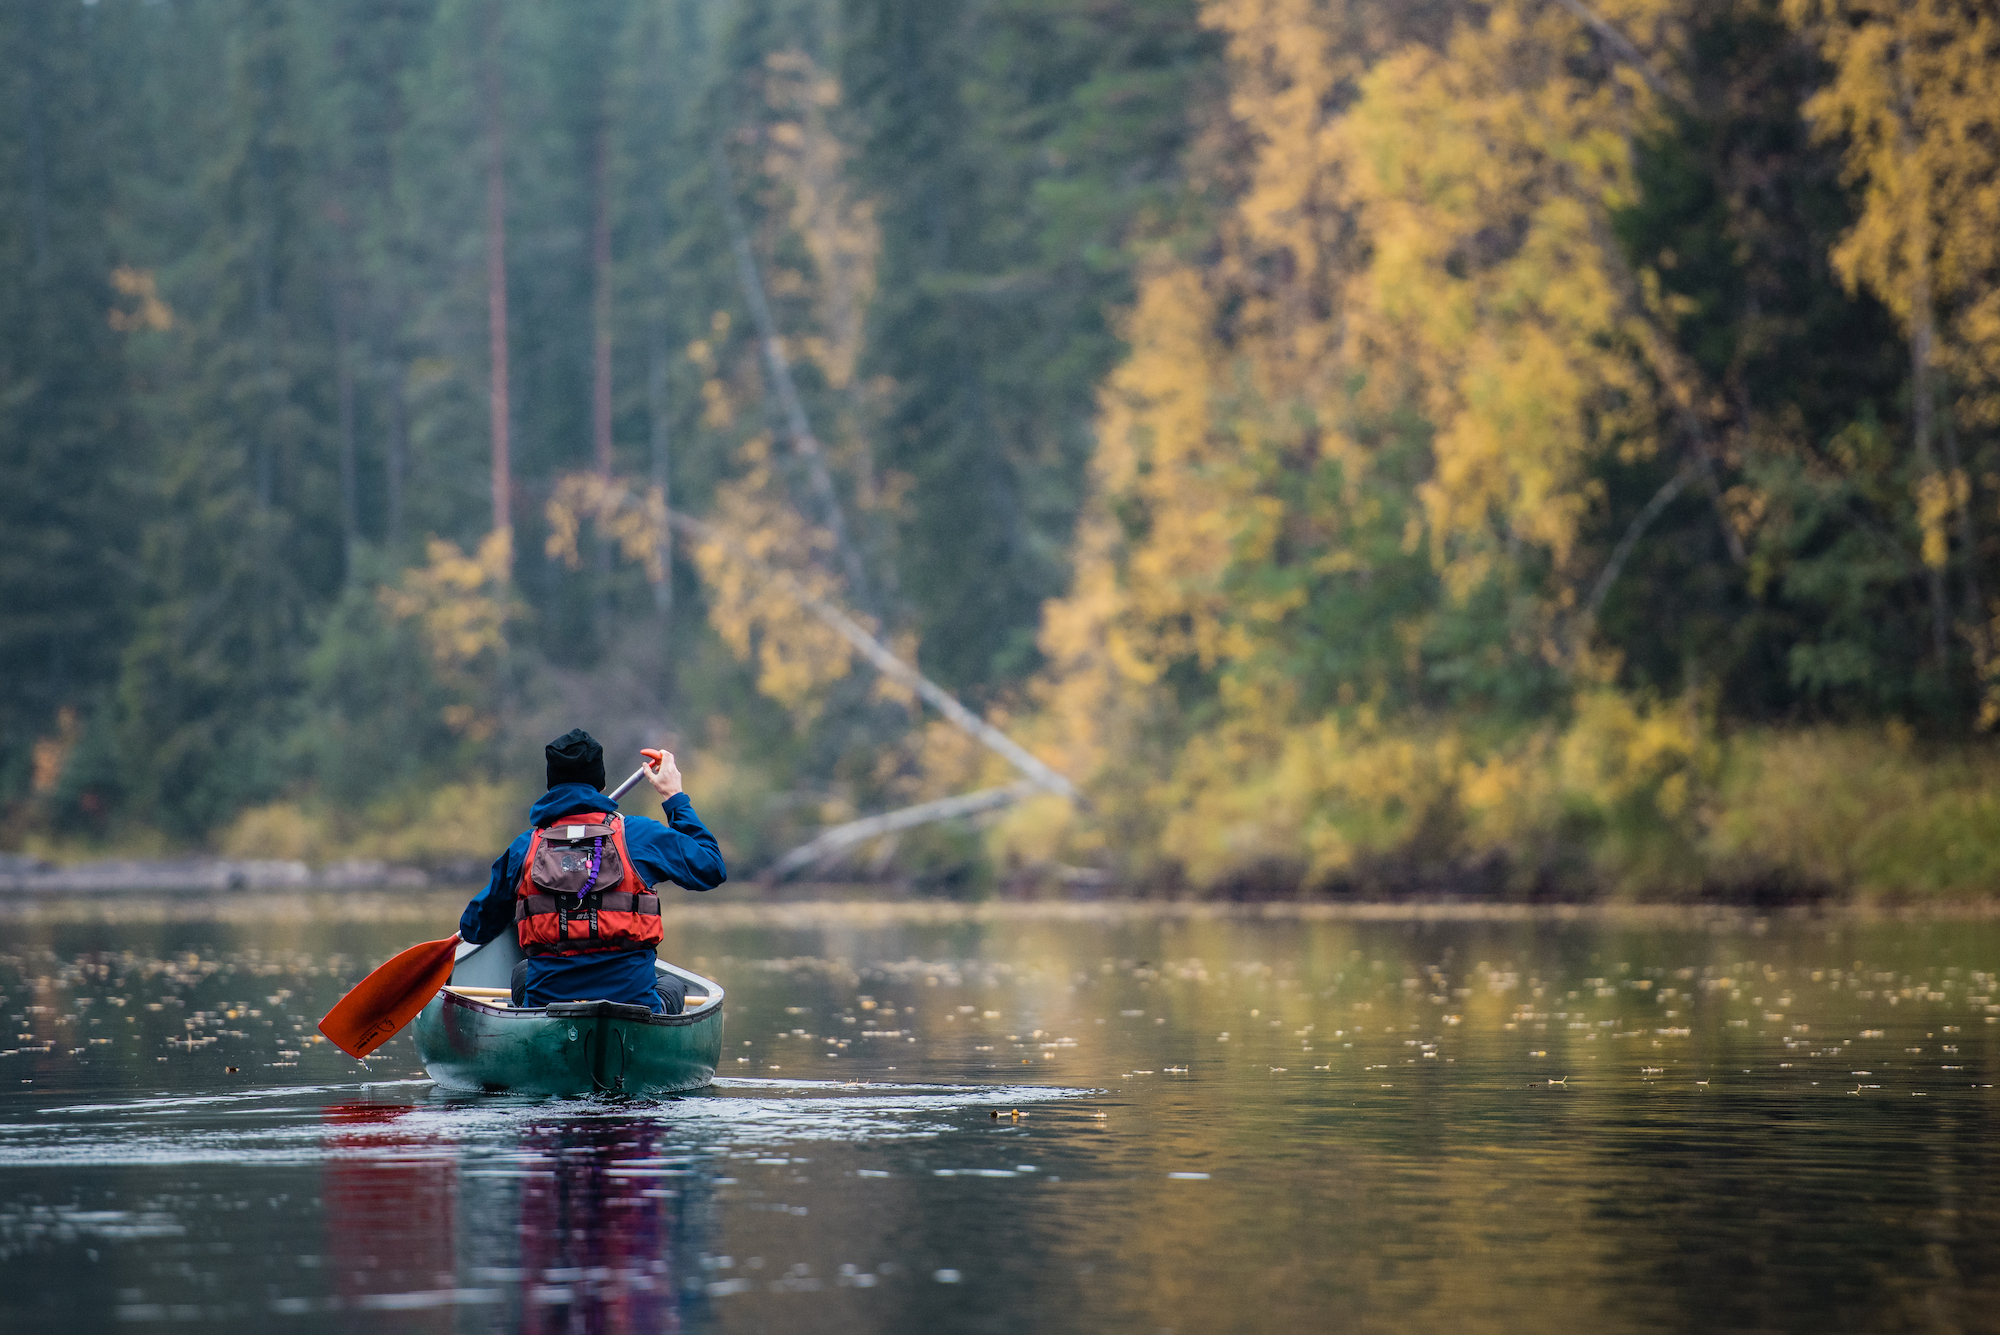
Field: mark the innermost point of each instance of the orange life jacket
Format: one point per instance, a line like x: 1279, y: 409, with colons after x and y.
x: 579, y: 893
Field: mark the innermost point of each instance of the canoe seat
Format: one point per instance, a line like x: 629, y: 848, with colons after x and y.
x: 487, y: 994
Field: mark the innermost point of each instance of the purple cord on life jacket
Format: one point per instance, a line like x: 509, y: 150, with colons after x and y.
x: 596, y: 865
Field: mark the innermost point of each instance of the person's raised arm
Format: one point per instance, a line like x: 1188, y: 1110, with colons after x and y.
x: 683, y: 851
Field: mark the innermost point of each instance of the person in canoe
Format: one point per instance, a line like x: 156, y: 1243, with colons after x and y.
x: 577, y: 886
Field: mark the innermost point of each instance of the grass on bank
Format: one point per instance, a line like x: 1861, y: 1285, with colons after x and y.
x: 452, y: 824
x: 1625, y: 803
x: 1871, y: 812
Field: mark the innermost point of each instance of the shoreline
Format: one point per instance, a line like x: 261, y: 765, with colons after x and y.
x: 439, y: 906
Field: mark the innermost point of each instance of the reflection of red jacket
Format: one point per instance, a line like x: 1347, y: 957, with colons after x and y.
x: 623, y: 916
x: 390, y: 1196
x: 598, y: 1238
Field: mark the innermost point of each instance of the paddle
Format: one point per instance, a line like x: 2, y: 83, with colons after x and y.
x: 389, y: 998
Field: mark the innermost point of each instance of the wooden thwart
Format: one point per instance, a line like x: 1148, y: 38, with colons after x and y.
x: 504, y: 996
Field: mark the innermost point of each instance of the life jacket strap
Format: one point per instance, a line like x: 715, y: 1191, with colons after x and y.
x: 607, y: 901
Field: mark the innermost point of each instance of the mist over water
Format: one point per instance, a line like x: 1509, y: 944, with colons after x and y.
x: 1011, y: 1117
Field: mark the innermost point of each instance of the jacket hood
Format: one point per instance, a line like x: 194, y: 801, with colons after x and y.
x: 568, y: 797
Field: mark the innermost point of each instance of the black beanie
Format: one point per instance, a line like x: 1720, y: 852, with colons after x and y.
x: 575, y: 757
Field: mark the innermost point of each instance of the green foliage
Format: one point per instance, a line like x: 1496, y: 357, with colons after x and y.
x: 1019, y: 148
x: 1210, y: 384
x: 1738, y: 212
x: 371, y: 712
x: 67, y: 514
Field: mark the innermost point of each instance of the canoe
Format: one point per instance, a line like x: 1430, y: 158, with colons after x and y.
x: 470, y: 1038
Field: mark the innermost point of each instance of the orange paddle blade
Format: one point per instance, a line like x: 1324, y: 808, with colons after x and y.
x: 389, y: 998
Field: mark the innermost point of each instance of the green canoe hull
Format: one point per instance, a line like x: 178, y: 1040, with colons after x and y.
x: 470, y: 1043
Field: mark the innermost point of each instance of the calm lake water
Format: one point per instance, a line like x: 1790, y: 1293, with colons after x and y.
x: 1224, y: 1123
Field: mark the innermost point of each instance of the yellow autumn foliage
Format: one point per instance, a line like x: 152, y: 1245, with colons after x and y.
x: 150, y: 310
x: 453, y: 822
x: 633, y: 517
x: 460, y: 604
x: 837, y: 223
x: 758, y: 530
x: 1422, y: 237
x: 1915, y: 97
x: 763, y: 560
x: 1484, y: 175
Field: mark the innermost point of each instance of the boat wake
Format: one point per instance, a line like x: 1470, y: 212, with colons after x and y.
x: 403, y: 1120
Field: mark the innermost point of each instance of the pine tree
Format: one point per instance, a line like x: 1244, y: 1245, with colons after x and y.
x: 70, y: 444
x: 1018, y: 149
x: 243, y: 537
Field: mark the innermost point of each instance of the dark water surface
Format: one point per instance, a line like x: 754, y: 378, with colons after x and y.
x: 1224, y: 1123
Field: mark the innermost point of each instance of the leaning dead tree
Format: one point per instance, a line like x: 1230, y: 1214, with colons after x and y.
x: 805, y: 444
x: 806, y: 447
x: 1038, y: 776
x: 889, y: 665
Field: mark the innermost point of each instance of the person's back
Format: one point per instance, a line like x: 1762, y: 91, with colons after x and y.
x: 577, y: 887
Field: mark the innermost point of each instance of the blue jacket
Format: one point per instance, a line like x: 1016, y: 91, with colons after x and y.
x: 681, y: 851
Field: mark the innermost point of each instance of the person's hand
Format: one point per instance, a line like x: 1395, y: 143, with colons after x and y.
x: 662, y: 773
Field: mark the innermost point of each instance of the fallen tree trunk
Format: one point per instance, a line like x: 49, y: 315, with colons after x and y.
x: 832, y: 843
x: 896, y: 669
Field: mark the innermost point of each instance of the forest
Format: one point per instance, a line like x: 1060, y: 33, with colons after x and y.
x: 1523, y: 448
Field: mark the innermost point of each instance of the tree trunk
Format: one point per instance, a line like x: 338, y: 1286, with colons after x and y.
x: 657, y: 405
x: 663, y: 482
x: 890, y: 666
x: 496, y: 276
x: 263, y: 306
x: 1922, y: 414
x: 343, y: 360
x: 600, y: 351
x: 37, y: 156
x: 1923, y: 393
x: 832, y: 843
x: 396, y: 460
x: 600, y: 304
x: 804, y: 443
x: 1976, y: 626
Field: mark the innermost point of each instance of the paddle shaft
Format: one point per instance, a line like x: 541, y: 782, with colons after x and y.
x: 628, y: 785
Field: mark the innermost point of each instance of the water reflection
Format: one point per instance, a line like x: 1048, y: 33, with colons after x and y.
x: 389, y: 1197
x: 575, y: 1225
x: 599, y: 1228
x: 1225, y: 1123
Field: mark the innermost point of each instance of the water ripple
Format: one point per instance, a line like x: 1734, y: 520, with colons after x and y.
x: 298, y: 1127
